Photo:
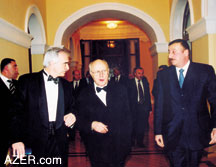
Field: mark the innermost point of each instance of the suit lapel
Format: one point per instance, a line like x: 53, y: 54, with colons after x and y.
x: 42, y: 100
x: 135, y: 88
x: 174, y: 84
x: 60, y: 105
x: 2, y: 84
x: 188, y: 81
x: 109, y: 96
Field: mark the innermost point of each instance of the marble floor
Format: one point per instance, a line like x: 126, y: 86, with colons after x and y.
x: 149, y: 156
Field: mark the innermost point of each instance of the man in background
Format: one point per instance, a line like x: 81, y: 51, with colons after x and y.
x: 8, y: 84
x: 44, y: 110
x: 140, y: 102
x: 154, y: 89
x: 118, y: 77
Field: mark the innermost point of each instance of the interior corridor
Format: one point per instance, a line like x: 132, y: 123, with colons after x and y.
x: 149, y: 156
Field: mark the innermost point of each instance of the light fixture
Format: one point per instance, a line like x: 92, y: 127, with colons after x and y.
x: 112, y: 24
x: 111, y: 44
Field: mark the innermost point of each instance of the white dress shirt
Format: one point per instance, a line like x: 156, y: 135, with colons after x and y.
x: 101, y: 94
x: 76, y: 83
x: 185, y: 68
x: 136, y: 80
x: 52, y: 97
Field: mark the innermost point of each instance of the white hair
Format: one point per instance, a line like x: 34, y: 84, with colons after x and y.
x: 52, y: 55
x: 103, y: 61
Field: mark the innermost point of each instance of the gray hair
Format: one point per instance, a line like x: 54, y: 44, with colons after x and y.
x: 52, y: 55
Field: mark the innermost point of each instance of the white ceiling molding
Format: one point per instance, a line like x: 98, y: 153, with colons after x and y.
x: 159, y: 48
x: 13, y: 34
x: 203, y: 27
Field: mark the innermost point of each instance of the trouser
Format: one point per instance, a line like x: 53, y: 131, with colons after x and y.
x: 140, y: 124
x: 55, y: 154
x: 106, y: 164
x: 184, y: 157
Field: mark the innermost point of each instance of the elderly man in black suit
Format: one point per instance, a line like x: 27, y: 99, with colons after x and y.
x: 8, y: 84
x: 183, y: 123
x: 44, y: 110
x: 104, y: 118
x: 140, y: 102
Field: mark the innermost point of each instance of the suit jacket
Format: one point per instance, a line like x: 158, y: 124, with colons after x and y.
x: 114, y: 145
x: 123, y: 80
x: 6, y: 99
x: 185, y: 111
x: 132, y: 89
x: 82, y: 84
x: 31, y: 112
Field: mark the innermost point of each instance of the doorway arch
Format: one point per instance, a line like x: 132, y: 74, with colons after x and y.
x: 177, y: 16
x: 110, y: 10
x: 34, y: 25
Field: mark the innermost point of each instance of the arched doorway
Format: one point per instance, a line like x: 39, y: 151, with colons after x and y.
x: 34, y: 26
x: 116, y: 11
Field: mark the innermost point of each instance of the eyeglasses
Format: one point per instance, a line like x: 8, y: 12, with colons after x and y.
x: 99, y: 72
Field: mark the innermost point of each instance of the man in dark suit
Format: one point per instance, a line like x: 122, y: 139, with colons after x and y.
x: 154, y: 89
x: 104, y: 118
x: 78, y: 83
x: 43, y: 110
x: 88, y: 79
x: 118, y: 77
x: 182, y: 122
x: 8, y: 83
x: 140, y: 102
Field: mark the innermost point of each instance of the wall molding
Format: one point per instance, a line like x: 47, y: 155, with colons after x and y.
x: 13, y: 34
x: 203, y: 27
x: 38, y: 48
x: 158, y: 48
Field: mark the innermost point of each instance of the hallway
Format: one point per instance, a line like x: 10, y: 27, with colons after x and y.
x: 150, y: 156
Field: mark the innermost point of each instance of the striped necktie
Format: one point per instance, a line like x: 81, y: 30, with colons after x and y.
x: 11, y: 86
x: 141, y: 94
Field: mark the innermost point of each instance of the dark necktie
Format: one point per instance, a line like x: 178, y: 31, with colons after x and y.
x: 55, y: 80
x: 99, y: 89
x: 181, y: 77
x: 141, y: 95
x: 116, y: 79
x: 11, y: 86
x: 76, y: 85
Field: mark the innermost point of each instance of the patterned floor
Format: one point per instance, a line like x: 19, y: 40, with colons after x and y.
x: 149, y: 156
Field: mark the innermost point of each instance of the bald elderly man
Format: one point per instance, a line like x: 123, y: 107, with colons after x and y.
x: 104, y: 118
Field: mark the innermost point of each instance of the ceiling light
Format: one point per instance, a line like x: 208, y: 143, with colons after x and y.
x: 112, y: 24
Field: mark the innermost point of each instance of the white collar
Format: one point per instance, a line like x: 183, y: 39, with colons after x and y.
x: 185, y: 67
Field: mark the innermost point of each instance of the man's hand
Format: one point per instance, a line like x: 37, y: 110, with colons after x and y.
x: 69, y: 119
x: 99, y: 127
x: 19, y: 149
x: 213, y: 136
x: 159, y: 140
